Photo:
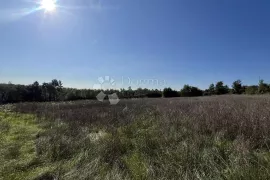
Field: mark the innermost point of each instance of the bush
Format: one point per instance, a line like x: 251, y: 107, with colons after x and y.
x: 168, y: 92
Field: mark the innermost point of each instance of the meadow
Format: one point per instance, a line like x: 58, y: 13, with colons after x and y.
x: 215, y: 137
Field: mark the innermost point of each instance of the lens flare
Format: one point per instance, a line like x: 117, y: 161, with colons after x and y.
x: 48, y: 5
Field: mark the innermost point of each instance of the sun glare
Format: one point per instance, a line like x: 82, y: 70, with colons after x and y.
x: 48, y: 5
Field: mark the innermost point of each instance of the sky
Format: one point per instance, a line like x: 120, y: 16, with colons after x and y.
x: 137, y: 43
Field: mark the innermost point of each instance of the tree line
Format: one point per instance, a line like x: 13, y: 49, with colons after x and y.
x: 54, y: 91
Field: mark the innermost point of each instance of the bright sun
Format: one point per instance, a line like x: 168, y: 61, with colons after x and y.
x: 48, y: 5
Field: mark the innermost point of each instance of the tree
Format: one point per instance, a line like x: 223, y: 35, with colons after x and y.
x: 211, y: 89
x: 140, y: 92
x: 54, y: 83
x: 251, y: 90
x: 54, y: 91
x: 237, y: 87
x: 36, y: 92
x: 45, y: 91
x: 154, y: 94
x: 263, y: 87
x: 221, y: 89
x: 190, y: 91
x: 168, y: 92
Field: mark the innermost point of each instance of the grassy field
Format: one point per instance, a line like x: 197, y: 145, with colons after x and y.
x: 219, y: 137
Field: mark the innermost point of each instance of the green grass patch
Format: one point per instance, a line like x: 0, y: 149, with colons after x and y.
x: 136, y: 165
x: 17, y: 147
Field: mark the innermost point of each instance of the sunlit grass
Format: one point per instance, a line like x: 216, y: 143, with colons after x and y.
x: 17, y: 148
x: 179, y: 138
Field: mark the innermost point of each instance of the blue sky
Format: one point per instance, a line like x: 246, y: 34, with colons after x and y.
x: 194, y: 42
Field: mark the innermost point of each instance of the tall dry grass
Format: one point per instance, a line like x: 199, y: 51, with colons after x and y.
x: 221, y: 137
